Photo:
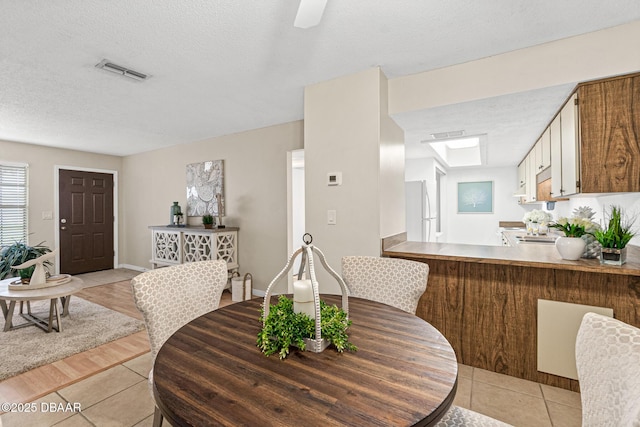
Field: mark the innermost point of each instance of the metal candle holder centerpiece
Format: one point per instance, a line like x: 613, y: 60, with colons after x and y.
x: 302, y: 288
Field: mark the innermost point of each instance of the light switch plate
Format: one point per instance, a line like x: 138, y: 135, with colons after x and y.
x: 331, y: 217
x: 47, y: 215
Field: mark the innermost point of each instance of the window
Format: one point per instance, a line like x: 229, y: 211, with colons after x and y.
x: 13, y: 203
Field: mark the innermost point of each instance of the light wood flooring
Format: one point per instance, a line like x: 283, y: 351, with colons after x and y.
x: 117, y: 296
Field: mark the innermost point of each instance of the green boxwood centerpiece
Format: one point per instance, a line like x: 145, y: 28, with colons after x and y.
x: 285, y: 328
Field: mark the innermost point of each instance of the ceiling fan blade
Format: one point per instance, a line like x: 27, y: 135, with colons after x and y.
x: 309, y: 13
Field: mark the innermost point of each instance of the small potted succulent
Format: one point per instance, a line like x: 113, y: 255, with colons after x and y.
x: 615, y: 237
x: 207, y: 221
x: 18, y: 253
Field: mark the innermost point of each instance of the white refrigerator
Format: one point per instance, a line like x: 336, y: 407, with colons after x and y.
x: 421, y: 212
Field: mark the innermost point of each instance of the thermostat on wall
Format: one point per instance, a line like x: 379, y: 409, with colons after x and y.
x: 334, y: 178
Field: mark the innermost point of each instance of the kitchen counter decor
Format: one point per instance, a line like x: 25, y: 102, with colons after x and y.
x: 615, y: 237
x: 571, y: 246
x: 305, y: 322
x: 592, y: 247
x: 536, y: 222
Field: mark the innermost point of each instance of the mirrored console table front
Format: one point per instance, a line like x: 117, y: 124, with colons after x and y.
x: 177, y: 245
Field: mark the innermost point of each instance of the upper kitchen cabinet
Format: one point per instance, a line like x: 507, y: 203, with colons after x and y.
x: 543, y: 151
x: 610, y: 133
x: 565, y: 167
x: 592, y: 144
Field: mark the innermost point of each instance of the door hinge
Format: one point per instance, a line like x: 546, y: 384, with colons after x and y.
x: 575, y: 101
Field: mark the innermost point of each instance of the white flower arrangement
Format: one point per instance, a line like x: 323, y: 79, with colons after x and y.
x: 537, y: 215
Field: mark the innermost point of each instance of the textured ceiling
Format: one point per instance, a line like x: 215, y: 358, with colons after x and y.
x: 220, y: 67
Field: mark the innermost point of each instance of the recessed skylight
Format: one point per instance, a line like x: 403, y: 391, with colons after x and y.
x: 459, y: 152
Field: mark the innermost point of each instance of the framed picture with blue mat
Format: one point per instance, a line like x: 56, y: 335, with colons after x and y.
x: 475, y: 197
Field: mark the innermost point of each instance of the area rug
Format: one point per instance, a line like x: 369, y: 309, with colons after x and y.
x: 87, y: 326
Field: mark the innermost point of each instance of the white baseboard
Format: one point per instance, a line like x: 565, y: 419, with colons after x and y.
x: 132, y: 267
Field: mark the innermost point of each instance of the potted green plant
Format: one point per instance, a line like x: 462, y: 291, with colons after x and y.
x: 615, y: 237
x: 284, y: 328
x: 18, y: 253
x: 207, y: 221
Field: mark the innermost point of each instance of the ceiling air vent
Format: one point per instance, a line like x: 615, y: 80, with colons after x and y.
x: 107, y: 65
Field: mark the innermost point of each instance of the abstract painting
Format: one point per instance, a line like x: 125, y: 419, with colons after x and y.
x: 205, y: 185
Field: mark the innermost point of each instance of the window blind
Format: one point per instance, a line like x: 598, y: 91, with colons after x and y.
x: 13, y: 203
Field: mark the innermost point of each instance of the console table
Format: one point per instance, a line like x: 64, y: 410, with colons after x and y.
x: 177, y: 245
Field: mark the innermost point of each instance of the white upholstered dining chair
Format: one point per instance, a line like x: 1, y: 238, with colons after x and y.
x: 608, y: 362
x: 171, y: 297
x: 397, y: 282
x: 401, y: 283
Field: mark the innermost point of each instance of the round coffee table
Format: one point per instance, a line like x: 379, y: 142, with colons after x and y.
x: 52, y: 293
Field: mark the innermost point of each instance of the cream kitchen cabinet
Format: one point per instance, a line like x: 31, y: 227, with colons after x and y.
x: 569, y: 142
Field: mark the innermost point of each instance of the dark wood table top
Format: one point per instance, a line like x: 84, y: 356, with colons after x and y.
x: 210, y: 372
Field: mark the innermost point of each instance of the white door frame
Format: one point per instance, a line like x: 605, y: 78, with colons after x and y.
x: 56, y: 207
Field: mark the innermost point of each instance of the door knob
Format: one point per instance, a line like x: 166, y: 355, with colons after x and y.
x: 63, y: 228
x: 63, y: 220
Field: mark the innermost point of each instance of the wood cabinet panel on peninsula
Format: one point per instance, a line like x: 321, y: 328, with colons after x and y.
x: 484, y: 298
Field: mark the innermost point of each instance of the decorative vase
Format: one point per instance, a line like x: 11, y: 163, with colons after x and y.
x: 533, y: 228
x: 613, y: 256
x: 592, y: 247
x: 570, y: 248
x: 174, y: 212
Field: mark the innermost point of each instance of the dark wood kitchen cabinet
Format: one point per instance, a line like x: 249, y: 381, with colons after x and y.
x: 609, y: 112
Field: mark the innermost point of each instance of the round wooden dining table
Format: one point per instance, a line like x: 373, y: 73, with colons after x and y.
x: 210, y: 372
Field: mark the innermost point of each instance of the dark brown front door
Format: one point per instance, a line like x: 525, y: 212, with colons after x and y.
x: 86, y: 221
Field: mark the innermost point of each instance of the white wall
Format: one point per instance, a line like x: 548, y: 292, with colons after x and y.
x: 481, y: 229
x: 346, y: 130
x: 601, y: 205
x: 255, y: 177
x: 581, y: 58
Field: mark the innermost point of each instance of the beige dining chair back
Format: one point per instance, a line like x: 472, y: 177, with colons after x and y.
x: 396, y: 282
x: 608, y: 362
x: 171, y: 297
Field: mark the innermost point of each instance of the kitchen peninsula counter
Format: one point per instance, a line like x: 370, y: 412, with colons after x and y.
x: 484, y: 299
x: 541, y: 255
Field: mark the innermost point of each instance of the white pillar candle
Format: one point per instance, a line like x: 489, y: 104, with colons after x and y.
x: 303, y: 298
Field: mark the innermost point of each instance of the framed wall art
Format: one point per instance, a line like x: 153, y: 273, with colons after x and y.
x: 205, y: 188
x: 475, y: 197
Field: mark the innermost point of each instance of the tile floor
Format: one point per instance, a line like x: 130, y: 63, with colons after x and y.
x: 120, y: 397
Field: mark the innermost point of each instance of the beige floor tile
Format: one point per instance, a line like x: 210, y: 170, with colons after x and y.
x: 133, y: 405
x: 463, y: 394
x: 465, y: 371
x: 148, y: 422
x: 506, y: 381
x: 108, y: 276
x: 560, y: 395
x: 518, y: 409
x: 100, y: 386
x: 44, y: 415
x: 564, y: 416
x: 141, y: 364
x: 75, y: 421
